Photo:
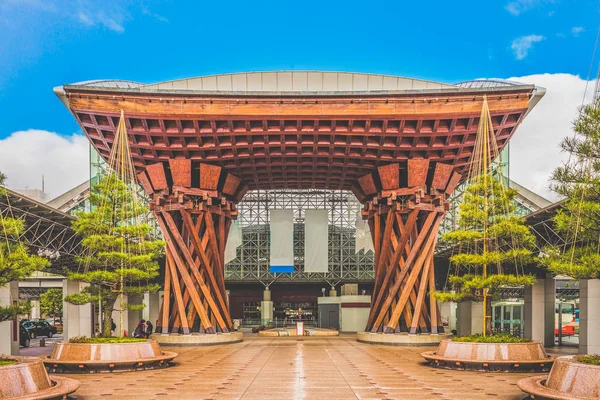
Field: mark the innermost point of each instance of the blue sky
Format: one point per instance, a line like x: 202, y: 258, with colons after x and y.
x: 47, y: 43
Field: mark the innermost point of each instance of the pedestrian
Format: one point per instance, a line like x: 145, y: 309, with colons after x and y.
x: 149, y: 328
x: 139, y: 331
x: 113, y: 326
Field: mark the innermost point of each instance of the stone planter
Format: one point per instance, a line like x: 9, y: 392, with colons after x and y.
x: 291, y: 332
x: 508, y: 357
x: 401, y: 339
x: 29, y: 380
x: 109, y: 357
x: 198, y: 339
x: 568, y: 380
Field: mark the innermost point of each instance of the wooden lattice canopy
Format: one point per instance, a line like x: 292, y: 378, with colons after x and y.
x: 325, y: 131
x: 401, y: 145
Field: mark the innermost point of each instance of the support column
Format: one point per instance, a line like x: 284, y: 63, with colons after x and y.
x: 405, y: 237
x: 9, y: 330
x: 589, y: 316
x: 405, y: 211
x: 35, y: 309
x: 194, y: 218
x: 448, y: 311
x: 151, y: 307
x: 266, y: 307
x: 469, y: 318
x: 77, y: 320
x: 539, y: 311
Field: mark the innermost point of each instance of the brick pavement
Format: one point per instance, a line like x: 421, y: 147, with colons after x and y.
x: 283, y: 368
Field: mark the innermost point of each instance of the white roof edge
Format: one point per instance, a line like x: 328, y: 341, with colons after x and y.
x: 295, y: 80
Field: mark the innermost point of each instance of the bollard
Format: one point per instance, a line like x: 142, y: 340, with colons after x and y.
x: 42, y: 342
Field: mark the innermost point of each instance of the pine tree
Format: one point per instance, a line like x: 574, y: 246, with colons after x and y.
x: 488, y: 234
x: 122, y: 256
x: 16, y: 263
x: 578, y: 221
x: 51, y: 303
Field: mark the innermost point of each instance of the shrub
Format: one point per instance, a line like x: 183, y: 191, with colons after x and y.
x: 497, y: 338
x: 7, y: 361
x: 592, y: 359
x: 105, y: 340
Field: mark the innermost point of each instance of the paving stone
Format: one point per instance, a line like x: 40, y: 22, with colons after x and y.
x: 282, y: 368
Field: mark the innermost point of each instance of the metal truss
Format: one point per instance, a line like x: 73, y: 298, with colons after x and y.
x: 252, y: 262
x: 32, y: 293
x: 47, y: 231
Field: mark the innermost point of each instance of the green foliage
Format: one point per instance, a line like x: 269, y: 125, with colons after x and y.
x: 495, y: 338
x: 121, y: 255
x: 51, y: 303
x: 578, y: 181
x: 592, y: 359
x: 16, y: 263
x: 470, y: 287
x: 8, y: 313
x: 7, y: 361
x: 488, y: 235
x: 105, y: 340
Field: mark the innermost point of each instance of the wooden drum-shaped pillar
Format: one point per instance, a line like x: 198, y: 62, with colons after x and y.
x: 194, y: 208
x: 404, y: 209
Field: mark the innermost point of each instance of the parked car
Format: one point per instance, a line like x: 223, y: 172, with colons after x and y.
x: 39, y: 328
x: 24, y: 339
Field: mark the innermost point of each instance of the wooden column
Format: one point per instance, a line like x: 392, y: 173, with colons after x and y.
x: 194, y: 218
x: 404, y: 212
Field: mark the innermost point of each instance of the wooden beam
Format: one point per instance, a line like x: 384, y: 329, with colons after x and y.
x: 145, y: 182
x: 429, y: 246
x: 181, y: 172
x: 197, y: 246
x: 156, y: 172
x: 177, y: 292
x: 191, y: 264
x: 453, y: 182
x: 441, y: 176
x: 209, y: 176
x: 421, y: 293
x: 408, y: 264
x: 417, y: 172
x: 166, y: 306
x: 231, y: 184
x: 389, y: 175
x: 393, y: 264
x: 189, y: 283
x: 367, y: 184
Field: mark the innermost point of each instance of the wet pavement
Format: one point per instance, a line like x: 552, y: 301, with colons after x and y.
x: 314, y: 368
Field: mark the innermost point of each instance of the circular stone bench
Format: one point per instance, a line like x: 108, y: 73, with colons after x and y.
x: 401, y: 339
x: 198, y: 339
x: 507, y: 357
x: 29, y: 380
x: 107, y: 357
x: 568, y: 380
x: 291, y: 332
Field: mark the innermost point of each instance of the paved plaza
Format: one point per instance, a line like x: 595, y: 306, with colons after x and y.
x: 284, y: 368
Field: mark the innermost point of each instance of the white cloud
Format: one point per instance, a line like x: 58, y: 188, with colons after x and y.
x: 521, y: 45
x: 534, y: 149
x: 576, y: 30
x: 516, y: 7
x: 100, y: 18
x: 27, y: 155
x: 85, y: 18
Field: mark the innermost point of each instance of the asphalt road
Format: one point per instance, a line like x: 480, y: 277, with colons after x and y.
x: 35, y: 349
